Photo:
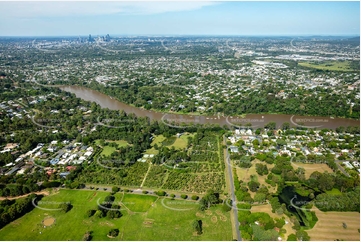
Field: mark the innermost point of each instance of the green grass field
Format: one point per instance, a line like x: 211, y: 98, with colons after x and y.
x: 148, y: 218
x: 334, y: 191
x: 329, y: 65
x: 160, y: 140
x: 107, y: 150
x: 138, y: 203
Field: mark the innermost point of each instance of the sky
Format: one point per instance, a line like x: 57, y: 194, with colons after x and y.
x: 69, y: 18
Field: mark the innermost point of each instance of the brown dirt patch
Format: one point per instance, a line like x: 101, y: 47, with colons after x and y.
x: 49, y: 221
x: 209, y: 212
x: 214, y: 219
x: 310, y: 168
x: 107, y: 224
x: 223, y: 218
x: 148, y: 223
x: 218, y: 212
x: 94, y: 194
x: 198, y: 214
x: 326, y: 230
x: 195, y: 234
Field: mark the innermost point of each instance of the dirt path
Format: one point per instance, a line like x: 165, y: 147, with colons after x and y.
x: 146, y: 174
x: 46, y: 193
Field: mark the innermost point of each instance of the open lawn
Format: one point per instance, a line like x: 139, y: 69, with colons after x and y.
x: 107, y: 151
x: 267, y: 208
x: 329, y: 226
x: 329, y: 65
x: 160, y: 140
x: 138, y: 203
x: 310, y: 168
x: 161, y: 219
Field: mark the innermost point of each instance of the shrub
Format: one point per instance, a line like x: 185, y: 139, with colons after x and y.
x: 195, y: 197
x: 184, y: 196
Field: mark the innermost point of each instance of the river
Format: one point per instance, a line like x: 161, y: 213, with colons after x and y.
x: 257, y: 120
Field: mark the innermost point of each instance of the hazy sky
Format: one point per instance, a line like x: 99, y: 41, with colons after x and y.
x: 179, y: 18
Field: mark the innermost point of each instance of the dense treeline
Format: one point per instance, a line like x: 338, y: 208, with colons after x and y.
x: 13, y: 209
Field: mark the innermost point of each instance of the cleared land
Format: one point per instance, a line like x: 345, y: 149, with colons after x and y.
x: 310, y: 168
x: 329, y: 65
x: 151, y: 221
x: 329, y: 226
x: 266, y: 208
x: 244, y: 174
x: 108, y: 150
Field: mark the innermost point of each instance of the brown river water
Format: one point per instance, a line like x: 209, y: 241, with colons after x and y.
x: 257, y: 120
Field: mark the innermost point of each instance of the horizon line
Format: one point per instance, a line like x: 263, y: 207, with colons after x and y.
x: 193, y: 35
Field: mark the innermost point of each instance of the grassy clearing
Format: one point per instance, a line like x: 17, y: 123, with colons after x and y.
x: 138, y: 203
x: 329, y: 65
x: 120, y: 143
x: 329, y: 226
x: 310, y: 168
x: 160, y: 140
x: 334, y: 191
x: 169, y: 141
x: 244, y: 174
x: 267, y: 208
x: 107, y: 151
x: 144, y: 222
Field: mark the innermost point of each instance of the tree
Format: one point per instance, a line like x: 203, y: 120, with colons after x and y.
x: 292, y: 237
x: 211, y: 198
x: 226, y: 207
x: 184, y: 196
x: 90, y: 212
x: 161, y: 193
x: 115, y: 189
x: 302, y: 235
x: 261, y: 169
x: 113, y: 233
x: 253, y: 186
x: 197, y: 226
x: 260, y: 197
x: 114, y: 214
x: 65, y: 207
x: 87, y: 236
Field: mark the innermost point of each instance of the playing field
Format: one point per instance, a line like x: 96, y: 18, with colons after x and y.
x: 145, y: 217
x: 310, y: 168
x: 329, y: 226
x: 329, y: 65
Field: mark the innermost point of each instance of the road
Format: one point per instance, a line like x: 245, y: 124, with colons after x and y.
x: 233, y: 196
x: 341, y: 168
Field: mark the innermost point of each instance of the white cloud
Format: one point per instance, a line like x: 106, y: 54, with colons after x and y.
x: 69, y: 8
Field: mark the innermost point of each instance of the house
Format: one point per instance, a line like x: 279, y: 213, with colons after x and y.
x: 234, y: 149
x: 249, y: 132
x: 348, y: 164
x: 70, y: 168
x: 64, y: 174
x: 11, y: 146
